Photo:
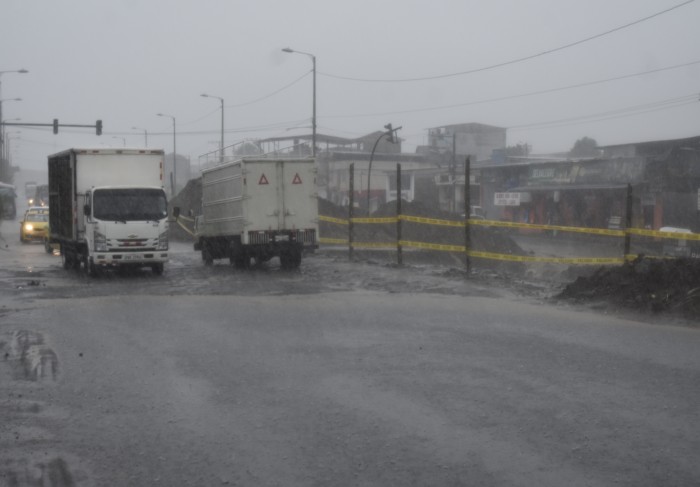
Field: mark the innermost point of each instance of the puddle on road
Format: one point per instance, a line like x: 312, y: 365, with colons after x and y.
x: 29, y: 356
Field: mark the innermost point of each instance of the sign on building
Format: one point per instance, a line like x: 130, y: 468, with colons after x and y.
x: 506, y: 199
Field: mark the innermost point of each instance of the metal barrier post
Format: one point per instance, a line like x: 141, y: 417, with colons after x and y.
x: 628, y: 221
x: 351, y: 208
x: 399, y: 253
x: 467, y: 212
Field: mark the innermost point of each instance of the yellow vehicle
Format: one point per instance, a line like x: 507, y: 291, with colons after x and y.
x: 34, y: 224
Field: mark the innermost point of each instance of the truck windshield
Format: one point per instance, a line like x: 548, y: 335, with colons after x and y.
x: 129, y: 204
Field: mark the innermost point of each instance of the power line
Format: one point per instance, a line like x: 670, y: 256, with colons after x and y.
x: 271, y: 94
x: 265, y: 97
x: 619, y: 113
x: 520, y: 95
x: 513, y: 61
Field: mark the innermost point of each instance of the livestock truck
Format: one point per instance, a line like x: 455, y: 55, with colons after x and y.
x: 258, y: 208
x: 108, y: 209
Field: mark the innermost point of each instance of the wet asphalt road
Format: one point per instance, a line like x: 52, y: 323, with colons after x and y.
x: 335, y: 374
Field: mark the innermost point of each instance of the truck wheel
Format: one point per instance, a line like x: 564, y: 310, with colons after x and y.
x: 92, y: 269
x: 206, y: 255
x: 70, y: 260
x: 290, y: 259
x: 240, y: 258
x: 47, y: 246
x: 157, y: 269
x: 65, y: 260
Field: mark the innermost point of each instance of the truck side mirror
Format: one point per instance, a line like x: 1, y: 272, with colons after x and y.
x: 176, y: 212
x: 86, y: 210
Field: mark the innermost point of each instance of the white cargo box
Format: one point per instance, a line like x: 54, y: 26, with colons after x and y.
x: 256, y: 198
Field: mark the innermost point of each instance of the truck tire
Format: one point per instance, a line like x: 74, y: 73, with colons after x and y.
x: 92, y: 269
x: 70, y: 259
x: 47, y: 246
x: 207, y: 256
x: 239, y: 256
x: 290, y: 258
x: 157, y: 269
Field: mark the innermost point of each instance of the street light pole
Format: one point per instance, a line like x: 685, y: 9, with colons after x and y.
x: 145, y: 135
x: 2, y: 127
x: 221, y: 144
x: 390, y: 135
x: 313, y: 115
x: 173, y: 182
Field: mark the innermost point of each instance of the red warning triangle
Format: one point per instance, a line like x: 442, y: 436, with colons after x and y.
x: 297, y: 179
x: 263, y: 180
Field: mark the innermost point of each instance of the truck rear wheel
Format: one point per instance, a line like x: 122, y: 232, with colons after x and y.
x: 207, y: 256
x: 157, y: 269
x: 290, y: 259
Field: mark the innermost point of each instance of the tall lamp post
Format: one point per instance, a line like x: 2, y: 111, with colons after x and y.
x: 173, y: 181
x: 221, y: 144
x: 145, y: 135
x: 21, y: 71
x: 313, y: 116
x: 2, y: 126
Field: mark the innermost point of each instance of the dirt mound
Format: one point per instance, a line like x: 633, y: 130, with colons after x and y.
x: 653, y: 285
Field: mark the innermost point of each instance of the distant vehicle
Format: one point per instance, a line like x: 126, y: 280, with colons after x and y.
x: 108, y: 208
x: 258, y: 208
x: 30, y: 192
x: 41, y: 196
x: 8, y: 202
x: 34, y: 225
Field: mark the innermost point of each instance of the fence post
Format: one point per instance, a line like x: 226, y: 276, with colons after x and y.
x: 628, y: 221
x: 399, y: 253
x: 351, y: 208
x: 467, y: 212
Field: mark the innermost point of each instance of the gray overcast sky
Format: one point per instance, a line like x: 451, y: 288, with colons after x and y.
x: 124, y: 61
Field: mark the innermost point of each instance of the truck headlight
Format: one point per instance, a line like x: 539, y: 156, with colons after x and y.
x: 163, y: 241
x: 100, y: 242
x: 28, y: 227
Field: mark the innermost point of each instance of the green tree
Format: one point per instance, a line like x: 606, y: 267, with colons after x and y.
x: 585, y: 147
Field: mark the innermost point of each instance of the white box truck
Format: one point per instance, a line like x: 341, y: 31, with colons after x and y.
x: 258, y: 208
x: 107, y: 208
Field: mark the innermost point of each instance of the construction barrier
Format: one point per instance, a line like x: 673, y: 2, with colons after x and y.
x: 502, y: 224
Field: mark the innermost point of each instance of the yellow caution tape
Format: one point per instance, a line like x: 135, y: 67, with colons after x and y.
x: 431, y: 221
x: 330, y: 219
x: 669, y: 235
x: 375, y: 245
x: 337, y: 241
x: 551, y: 260
x: 184, y: 227
x: 432, y: 246
x: 391, y: 219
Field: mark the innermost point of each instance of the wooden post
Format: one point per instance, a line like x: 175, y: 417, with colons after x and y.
x: 628, y: 221
x: 467, y: 212
x: 351, y: 209
x: 399, y: 253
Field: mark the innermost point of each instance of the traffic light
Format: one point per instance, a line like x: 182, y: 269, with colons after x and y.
x: 55, y: 125
x: 390, y: 133
x: 98, y: 127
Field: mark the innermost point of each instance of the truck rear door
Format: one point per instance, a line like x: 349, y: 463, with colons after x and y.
x: 280, y: 195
